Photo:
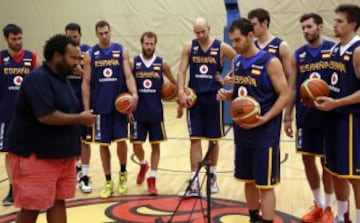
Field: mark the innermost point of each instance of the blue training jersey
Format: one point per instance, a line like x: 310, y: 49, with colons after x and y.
x: 273, y: 47
x: 343, y: 78
x: 12, y: 72
x: 204, y: 66
x: 311, y: 63
x: 149, y: 81
x: 107, y: 77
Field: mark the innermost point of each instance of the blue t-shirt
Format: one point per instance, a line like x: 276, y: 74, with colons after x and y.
x: 42, y: 93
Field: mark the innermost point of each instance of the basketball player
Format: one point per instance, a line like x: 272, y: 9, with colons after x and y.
x: 15, y: 63
x: 204, y: 55
x: 107, y: 73
x: 343, y: 150
x: 260, y: 18
x: 73, y: 30
x: 149, y: 71
x: 257, y: 155
x: 310, y: 121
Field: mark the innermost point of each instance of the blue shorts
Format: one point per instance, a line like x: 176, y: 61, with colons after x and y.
x: 205, y: 119
x: 258, y: 164
x: 310, y: 141
x: 139, y: 131
x: 108, y: 128
x: 342, y: 150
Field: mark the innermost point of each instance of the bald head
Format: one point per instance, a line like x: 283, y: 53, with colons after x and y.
x: 201, y: 30
x: 201, y: 22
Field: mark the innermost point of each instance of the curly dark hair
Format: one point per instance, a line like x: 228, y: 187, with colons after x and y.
x: 57, y: 43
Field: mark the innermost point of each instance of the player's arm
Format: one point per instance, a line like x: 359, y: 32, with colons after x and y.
x: 130, y: 81
x: 85, y: 84
x: 327, y: 103
x: 286, y: 57
x: 229, y: 53
x: 184, y: 64
x: 167, y: 71
x: 288, y: 116
x: 59, y: 118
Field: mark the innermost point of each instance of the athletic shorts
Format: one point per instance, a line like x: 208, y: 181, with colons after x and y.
x: 258, y: 164
x: 108, y: 128
x: 310, y: 141
x: 37, y: 183
x: 342, y: 150
x: 205, y: 118
x: 140, y: 130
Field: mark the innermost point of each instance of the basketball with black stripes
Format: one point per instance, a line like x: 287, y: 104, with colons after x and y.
x: 244, y: 110
x: 168, y: 91
x: 122, y: 102
x: 312, y: 88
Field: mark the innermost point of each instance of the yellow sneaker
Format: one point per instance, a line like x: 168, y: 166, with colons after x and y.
x: 108, y: 189
x: 123, y: 186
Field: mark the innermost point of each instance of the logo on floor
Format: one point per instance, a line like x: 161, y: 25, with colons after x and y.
x: 140, y: 208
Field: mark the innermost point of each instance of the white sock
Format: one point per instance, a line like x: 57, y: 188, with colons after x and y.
x: 318, y: 197
x: 153, y: 173
x: 213, y: 169
x: 143, y: 161
x: 328, y: 200
x: 85, y: 169
x: 357, y: 215
x: 342, y: 208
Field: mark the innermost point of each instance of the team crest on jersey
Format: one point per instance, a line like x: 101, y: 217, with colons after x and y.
x: 346, y: 57
x: 147, y: 83
x: 156, y: 68
x: 334, y: 78
x: 214, y: 51
x: 97, y: 53
x: 116, y: 53
x: 195, y: 49
x: 17, y: 80
x: 107, y: 72
x: 242, y: 91
x: 203, y: 69
x: 315, y: 75
x: 256, y: 70
x: 6, y: 60
x: 325, y: 54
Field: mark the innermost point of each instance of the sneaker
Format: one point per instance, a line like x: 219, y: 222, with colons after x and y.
x: 151, y: 182
x: 78, y: 173
x: 346, y: 217
x: 314, y: 214
x: 214, y: 188
x: 8, y: 200
x: 123, y: 186
x: 193, y: 191
x: 84, y: 184
x: 141, y: 175
x: 108, y: 189
x: 327, y: 216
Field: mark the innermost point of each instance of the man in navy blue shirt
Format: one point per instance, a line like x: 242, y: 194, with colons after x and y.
x: 44, y: 137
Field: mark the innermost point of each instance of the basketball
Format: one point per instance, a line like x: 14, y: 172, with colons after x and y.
x: 191, y: 96
x: 312, y: 88
x: 122, y: 102
x: 244, y: 110
x: 168, y: 91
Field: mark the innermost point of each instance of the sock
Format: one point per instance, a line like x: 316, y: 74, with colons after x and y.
x: 153, y: 173
x: 123, y: 168
x: 254, y: 215
x: 213, y: 169
x: 10, y: 189
x: 85, y: 169
x: 342, y: 208
x: 108, y: 177
x: 318, y: 197
x: 328, y: 200
x: 357, y: 215
x: 143, y: 161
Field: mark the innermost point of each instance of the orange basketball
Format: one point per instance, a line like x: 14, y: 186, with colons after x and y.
x: 312, y: 88
x: 168, y: 91
x: 122, y: 102
x: 244, y: 109
x: 191, y: 96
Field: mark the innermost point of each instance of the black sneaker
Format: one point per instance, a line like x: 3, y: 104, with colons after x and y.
x: 78, y: 173
x: 8, y: 200
x: 84, y: 184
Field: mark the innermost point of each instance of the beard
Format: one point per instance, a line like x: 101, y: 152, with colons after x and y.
x: 64, y: 69
x: 311, y: 38
x: 16, y: 47
x: 148, y: 53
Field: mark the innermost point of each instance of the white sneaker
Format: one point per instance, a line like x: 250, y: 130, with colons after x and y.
x: 194, y: 191
x: 214, y: 188
x: 84, y: 184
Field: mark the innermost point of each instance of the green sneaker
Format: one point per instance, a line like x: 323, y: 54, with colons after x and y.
x: 108, y: 189
x: 123, y: 186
